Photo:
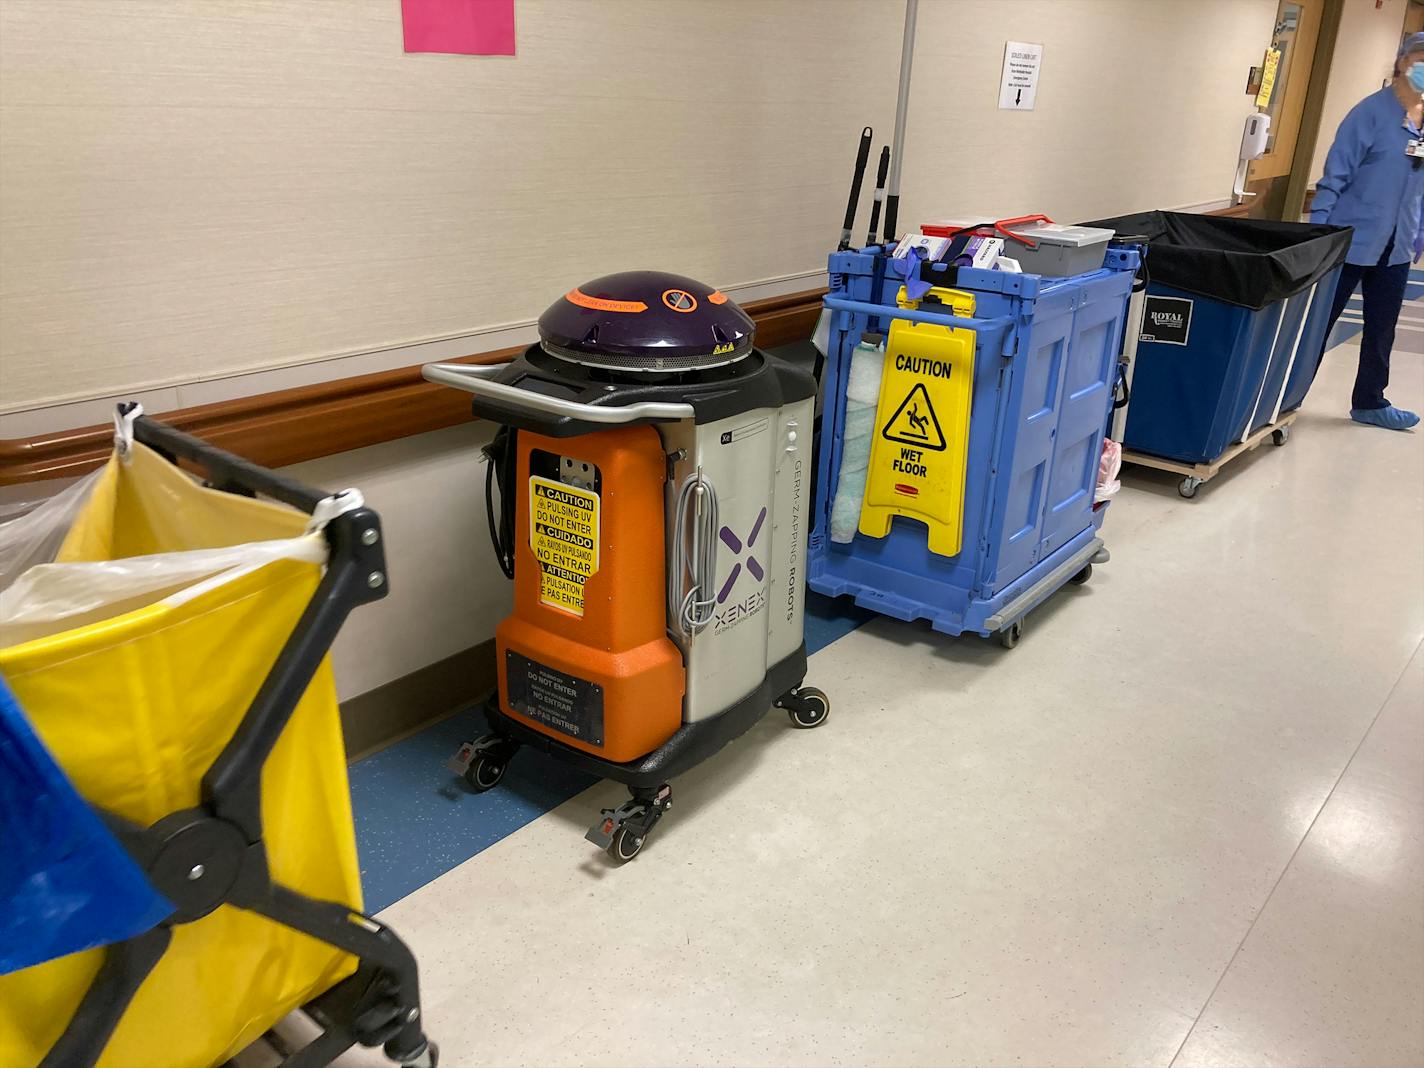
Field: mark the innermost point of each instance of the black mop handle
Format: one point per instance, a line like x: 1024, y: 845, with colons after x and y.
x: 862, y: 154
x: 879, y: 193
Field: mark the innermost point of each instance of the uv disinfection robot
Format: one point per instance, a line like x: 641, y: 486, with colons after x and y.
x: 654, y: 469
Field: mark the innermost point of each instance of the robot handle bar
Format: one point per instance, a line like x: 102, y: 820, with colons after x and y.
x: 473, y: 378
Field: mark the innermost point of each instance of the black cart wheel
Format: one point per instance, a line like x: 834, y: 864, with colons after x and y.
x: 1280, y: 435
x: 1188, y: 486
x: 428, y: 1059
x: 1010, y: 635
x: 811, y: 708
x: 485, y: 772
x: 625, y: 845
x: 1082, y: 576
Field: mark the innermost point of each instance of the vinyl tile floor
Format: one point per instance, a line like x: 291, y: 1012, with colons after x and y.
x: 1181, y: 824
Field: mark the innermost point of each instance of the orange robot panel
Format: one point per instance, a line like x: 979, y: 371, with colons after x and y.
x: 597, y: 674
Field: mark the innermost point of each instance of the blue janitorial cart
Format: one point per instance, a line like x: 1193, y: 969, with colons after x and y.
x: 960, y: 437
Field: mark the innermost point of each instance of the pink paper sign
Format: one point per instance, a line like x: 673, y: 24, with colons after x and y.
x: 465, y: 27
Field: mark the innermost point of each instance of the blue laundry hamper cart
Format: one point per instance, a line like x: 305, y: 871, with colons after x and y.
x: 1028, y: 439
x: 1233, y: 325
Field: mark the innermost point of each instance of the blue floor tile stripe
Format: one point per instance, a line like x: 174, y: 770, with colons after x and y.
x: 1347, y: 331
x: 1342, y: 333
x: 415, y: 820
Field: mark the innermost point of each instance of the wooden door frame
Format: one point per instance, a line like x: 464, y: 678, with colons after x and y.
x: 1308, y: 136
x: 1414, y: 16
x: 1288, y: 121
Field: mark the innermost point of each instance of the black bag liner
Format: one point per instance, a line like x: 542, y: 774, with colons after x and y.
x: 1248, y: 262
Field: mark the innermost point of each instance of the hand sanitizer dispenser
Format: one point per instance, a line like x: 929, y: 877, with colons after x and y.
x: 1253, y: 146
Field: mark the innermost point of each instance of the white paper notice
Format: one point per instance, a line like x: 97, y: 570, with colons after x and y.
x: 1019, y: 84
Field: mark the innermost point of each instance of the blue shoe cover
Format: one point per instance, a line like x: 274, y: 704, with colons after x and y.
x: 1389, y: 417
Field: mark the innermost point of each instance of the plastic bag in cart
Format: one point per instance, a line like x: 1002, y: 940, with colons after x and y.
x: 1109, y: 466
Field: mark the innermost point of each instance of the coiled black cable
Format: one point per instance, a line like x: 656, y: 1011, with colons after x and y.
x: 500, y: 455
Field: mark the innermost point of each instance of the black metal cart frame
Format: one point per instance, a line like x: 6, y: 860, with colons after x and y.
x: 213, y: 854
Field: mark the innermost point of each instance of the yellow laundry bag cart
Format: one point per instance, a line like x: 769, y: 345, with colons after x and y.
x: 171, y: 657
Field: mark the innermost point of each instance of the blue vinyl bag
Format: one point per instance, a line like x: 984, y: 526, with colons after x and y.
x: 66, y: 883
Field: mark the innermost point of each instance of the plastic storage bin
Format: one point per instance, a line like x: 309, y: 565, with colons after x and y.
x: 1040, y: 245
x: 1233, y: 324
x: 1044, y: 361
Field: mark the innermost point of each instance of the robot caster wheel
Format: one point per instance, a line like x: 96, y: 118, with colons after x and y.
x: 1280, y: 435
x: 1010, y: 635
x: 484, y: 773
x: 483, y: 762
x: 1188, y: 486
x: 429, y: 1058
x: 806, y: 706
x: 623, y: 831
x: 1082, y: 576
x: 626, y: 845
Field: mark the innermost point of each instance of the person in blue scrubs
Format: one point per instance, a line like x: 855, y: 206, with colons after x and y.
x: 1373, y: 183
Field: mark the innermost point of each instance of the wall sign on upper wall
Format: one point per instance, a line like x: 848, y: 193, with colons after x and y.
x: 1019, y: 84
x: 463, y: 27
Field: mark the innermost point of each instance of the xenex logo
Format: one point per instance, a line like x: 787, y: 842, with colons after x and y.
x: 728, y: 615
x: 731, y: 541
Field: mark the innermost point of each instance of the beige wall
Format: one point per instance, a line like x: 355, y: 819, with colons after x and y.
x: 190, y: 188
x: 195, y: 188
x: 1363, y: 60
x: 446, y: 591
x: 1140, y: 105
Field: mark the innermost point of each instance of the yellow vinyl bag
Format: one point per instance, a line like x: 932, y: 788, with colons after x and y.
x: 135, y: 654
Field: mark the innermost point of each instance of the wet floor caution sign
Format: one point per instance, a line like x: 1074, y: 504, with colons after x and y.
x: 917, y: 458
x: 563, y: 533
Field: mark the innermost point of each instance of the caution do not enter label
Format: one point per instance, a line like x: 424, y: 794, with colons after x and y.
x: 563, y: 534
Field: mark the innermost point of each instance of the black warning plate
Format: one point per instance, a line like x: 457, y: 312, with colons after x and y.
x: 567, y: 703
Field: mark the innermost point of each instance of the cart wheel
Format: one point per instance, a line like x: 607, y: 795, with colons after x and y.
x: 625, y: 845
x: 1010, y: 635
x: 1280, y: 435
x: 428, y: 1059
x: 485, y: 772
x: 1188, y: 486
x: 815, y: 706
x: 1082, y: 576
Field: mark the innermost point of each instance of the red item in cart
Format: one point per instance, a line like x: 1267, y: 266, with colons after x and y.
x: 1001, y: 228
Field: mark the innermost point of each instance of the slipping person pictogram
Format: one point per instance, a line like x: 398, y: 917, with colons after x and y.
x: 915, y: 422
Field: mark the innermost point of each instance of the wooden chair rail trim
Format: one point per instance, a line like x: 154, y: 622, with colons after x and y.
x: 1243, y: 210
x: 292, y: 425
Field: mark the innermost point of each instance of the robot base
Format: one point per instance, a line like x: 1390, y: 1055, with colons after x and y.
x: 622, y: 831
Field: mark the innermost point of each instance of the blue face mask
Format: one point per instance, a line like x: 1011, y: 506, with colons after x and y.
x: 1416, y: 76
